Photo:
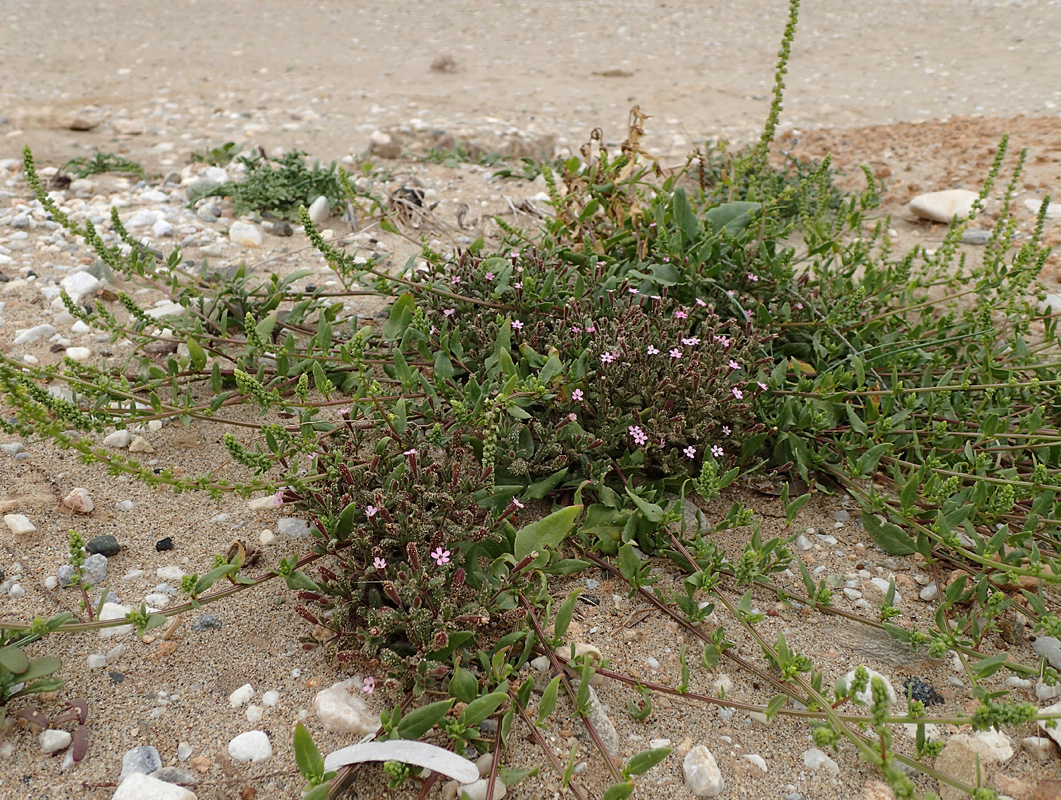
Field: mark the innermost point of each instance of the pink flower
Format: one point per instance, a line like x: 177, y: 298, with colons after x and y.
x: 518, y: 285
x: 724, y: 341
x: 448, y: 312
x: 700, y: 302
x: 573, y: 416
x: 434, y: 330
x: 716, y: 451
x: 632, y: 290
x: 726, y: 431
x: 799, y: 306
x: 278, y: 498
x: 342, y: 412
x: 652, y: 350
x: 410, y: 452
x: 591, y: 329
x: 689, y: 451
x: 577, y: 395
x: 368, y: 685
x: 666, y: 259
x: 517, y: 325
x: 691, y: 341
x: 752, y: 277
x: 762, y: 385
x: 681, y: 314
x: 519, y: 269
x: 455, y: 280
x: 637, y: 435
x: 370, y: 511
x: 733, y: 364
x: 575, y: 330
x: 379, y: 563
x: 489, y: 276
x: 517, y: 503
x: 441, y: 556
x: 738, y: 393
x: 607, y: 358
x: 675, y: 353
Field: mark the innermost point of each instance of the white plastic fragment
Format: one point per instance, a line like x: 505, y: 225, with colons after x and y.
x: 421, y: 754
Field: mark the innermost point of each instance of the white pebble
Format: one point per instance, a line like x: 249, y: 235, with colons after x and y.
x: 758, y: 760
x: 243, y: 694
x: 267, y: 537
x: 52, y: 741
x: 702, y: 775
x: 97, y: 661
x: 816, y: 759
x: 51, y: 582
x: 270, y: 698
x: 250, y: 746
x: 255, y: 713
x: 19, y: 524
x: 16, y: 591
x: 652, y: 662
x: 245, y: 234
x: 118, y: 439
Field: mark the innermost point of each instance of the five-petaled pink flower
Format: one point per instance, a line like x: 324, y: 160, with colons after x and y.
x: 638, y: 435
x: 675, y: 353
x: 681, y: 314
x: 517, y: 503
x: 607, y: 358
x: 518, y: 285
x: 689, y: 451
x: 700, y: 302
x: 379, y: 563
x: 577, y: 395
x: 691, y: 341
x: 723, y: 340
x: 573, y: 416
x: 370, y: 511
x: 489, y: 276
x: 738, y: 393
x: 448, y: 312
x: 733, y: 364
x: 762, y: 385
x: 517, y: 325
x: 455, y: 280
x: 726, y: 431
x: 591, y: 329
x: 632, y: 290
x: 716, y: 451
x: 278, y: 498
x: 652, y: 349
x: 368, y: 685
x: 575, y: 330
x: 410, y: 452
x: 441, y: 556
x: 753, y: 277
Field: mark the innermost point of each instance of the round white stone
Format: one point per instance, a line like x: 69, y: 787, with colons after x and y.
x: 52, y: 741
x: 250, y: 746
x: 702, y: 775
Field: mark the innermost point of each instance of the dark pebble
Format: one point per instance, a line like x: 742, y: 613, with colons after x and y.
x: 918, y: 689
x: 117, y: 677
x: 282, y: 228
x: 105, y: 545
x: 164, y: 544
x: 206, y: 622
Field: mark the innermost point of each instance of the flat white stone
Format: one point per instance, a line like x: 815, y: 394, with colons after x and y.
x: 341, y: 712
x: 319, y: 210
x: 19, y: 524
x: 816, y: 759
x: 144, y: 787
x: 944, y: 206
x: 118, y: 439
x: 79, y: 284
x: 242, y: 695
x: 78, y: 353
x: 1054, y: 732
x: 251, y: 746
x: 52, y: 741
x: 140, y: 445
x: 31, y: 335
x: 702, y: 775
x: 245, y: 235
x: 114, y: 611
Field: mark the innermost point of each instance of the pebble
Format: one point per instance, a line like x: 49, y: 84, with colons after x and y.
x: 976, y: 237
x: 78, y: 353
x: 477, y: 789
x: 141, y: 219
x: 251, y: 746
x: 242, y: 695
x: 52, y: 741
x: 270, y: 698
x: 295, y: 528
x: 184, y: 751
x: 148, y: 787
x: 112, y: 611
x: 140, y: 445
x: 12, y: 448
x: 175, y: 775
x: 866, y: 696
x: 16, y: 590
x: 255, y: 713
x: 1038, y: 747
x: 19, y: 524
x: 162, y: 228
x: 34, y: 334
x: 96, y: 661
x: 944, y: 206
x: 118, y: 439
x: 929, y: 593
x: 1054, y: 732
x: 816, y: 759
x: 757, y: 760
x: 174, y: 574
x: 105, y: 545
x: 603, y: 724
x: 125, y: 505
x: 540, y: 663
x: 341, y: 712
x: 245, y: 234
x: 962, y: 760
x: 267, y: 537
x: 162, y: 545
x: 319, y: 210
x: 702, y: 775
x: 206, y: 622
x: 1033, y: 204
x: 141, y: 760
x: 79, y: 500
x: 1049, y: 648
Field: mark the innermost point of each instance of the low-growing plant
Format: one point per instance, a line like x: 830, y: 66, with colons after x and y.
x: 220, y: 156
x: 83, y: 166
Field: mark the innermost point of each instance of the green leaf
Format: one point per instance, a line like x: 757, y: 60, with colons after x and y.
x: 478, y: 710
x: 207, y: 580
x: 890, y: 538
x: 546, y: 532
x: 13, y: 659
x: 443, y: 366
x: 345, y: 524
x: 652, y: 512
x: 989, y: 666
x: 307, y: 756
x: 563, y: 615
x: 733, y: 217
x: 300, y: 580
x: 264, y: 328
x: 684, y: 216
x: 858, y: 425
x: 463, y: 685
x: 539, y: 489
x: 646, y: 760
x: 548, y: 701
x: 401, y: 314
x: 774, y: 705
x: 416, y: 723
x: 618, y: 791
x: 319, y: 792
x: 196, y: 354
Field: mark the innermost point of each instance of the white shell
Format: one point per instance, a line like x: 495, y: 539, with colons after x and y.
x: 79, y: 501
x: 421, y: 754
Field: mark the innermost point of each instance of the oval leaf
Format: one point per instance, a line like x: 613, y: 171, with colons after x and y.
x: 418, y: 722
x: 549, y: 531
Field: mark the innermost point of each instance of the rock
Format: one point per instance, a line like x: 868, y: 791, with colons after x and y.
x: 1050, y: 649
x: 52, y: 741
x: 757, y: 760
x: 702, y: 775
x: 94, y: 570
x: 340, y: 712
x: 816, y: 759
x: 1038, y: 747
x: 251, y: 746
x: 141, y: 760
x: 245, y: 235
x: 129, y: 127
x: 78, y: 353
x: 602, y: 723
x: 12, y: 448
x: 976, y: 237
x: 19, y: 524
x: 278, y: 227
x: 1033, y: 204
x: 267, y: 537
x: 477, y: 789
x: 147, y: 787
x: 866, y: 696
x: 876, y: 790
x: 166, y: 308
x: 140, y: 445
x: 111, y: 611
x: 962, y: 758
x: 118, y: 439
x: 998, y: 746
x: 79, y: 501
x: 944, y: 206
x: 162, y: 545
x: 267, y: 503
x: 175, y: 775
x: 929, y: 593
x: 242, y: 695
x: 184, y: 751
x: 96, y: 661
x: 1054, y: 732
x: 382, y: 145
x: 80, y: 284
x: 1047, y: 789
x: 34, y: 334
x: 105, y: 545
x: 142, y: 219
x: 1013, y: 787
x: 162, y: 228
x: 82, y: 186
x: 319, y: 210
x: 206, y: 622
x: 295, y: 528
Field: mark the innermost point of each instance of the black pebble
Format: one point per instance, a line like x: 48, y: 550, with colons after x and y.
x: 117, y: 677
x: 164, y: 544
x: 105, y: 545
x: 918, y: 689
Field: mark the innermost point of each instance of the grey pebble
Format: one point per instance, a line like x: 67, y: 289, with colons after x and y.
x: 206, y: 622
x: 106, y: 545
x: 94, y: 571
x: 141, y: 759
x: 175, y: 775
x: 1049, y: 648
x: 12, y: 448
x: 295, y: 528
x: 976, y: 237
